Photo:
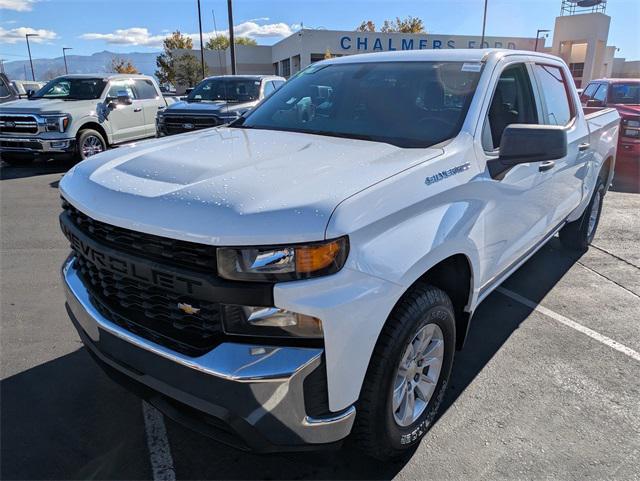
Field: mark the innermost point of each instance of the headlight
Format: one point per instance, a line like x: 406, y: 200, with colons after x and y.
x: 632, y: 123
x: 56, y: 123
x: 286, y: 263
x: 269, y: 322
x: 631, y: 133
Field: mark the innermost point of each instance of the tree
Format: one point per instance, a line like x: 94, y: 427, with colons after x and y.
x: 166, y: 72
x: 327, y: 54
x: 188, y: 70
x: 121, y: 65
x: 221, y: 42
x: 406, y: 25
x: 366, y: 26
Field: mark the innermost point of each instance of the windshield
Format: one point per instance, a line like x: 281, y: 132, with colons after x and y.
x: 227, y: 89
x: 408, y: 104
x: 625, y: 93
x: 72, y: 89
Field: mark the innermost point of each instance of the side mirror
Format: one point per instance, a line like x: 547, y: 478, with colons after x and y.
x: 123, y: 98
x: 595, y: 103
x: 524, y: 143
x: 30, y: 93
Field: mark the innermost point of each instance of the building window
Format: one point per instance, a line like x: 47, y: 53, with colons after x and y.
x: 275, y: 69
x: 286, y: 67
x: 576, y: 69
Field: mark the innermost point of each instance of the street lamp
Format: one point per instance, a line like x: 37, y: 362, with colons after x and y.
x: 64, y: 54
x: 484, y: 22
x: 33, y: 75
x: 535, y: 49
x: 201, y: 45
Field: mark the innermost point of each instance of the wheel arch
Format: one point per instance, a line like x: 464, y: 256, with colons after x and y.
x: 94, y: 126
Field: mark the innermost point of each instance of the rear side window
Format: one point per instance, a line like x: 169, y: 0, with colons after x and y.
x: 558, y: 109
x: 145, y: 89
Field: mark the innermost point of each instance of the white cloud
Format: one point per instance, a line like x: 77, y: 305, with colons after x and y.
x: 16, y: 35
x: 128, y: 36
x: 17, y: 5
x: 140, y: 36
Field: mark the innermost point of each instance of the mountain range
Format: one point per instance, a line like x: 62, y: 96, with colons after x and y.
x: 47, y: 68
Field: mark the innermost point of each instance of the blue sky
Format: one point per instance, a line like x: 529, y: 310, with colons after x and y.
x: 138, y: 25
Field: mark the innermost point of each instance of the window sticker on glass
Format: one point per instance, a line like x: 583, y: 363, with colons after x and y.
x: 471, y: 67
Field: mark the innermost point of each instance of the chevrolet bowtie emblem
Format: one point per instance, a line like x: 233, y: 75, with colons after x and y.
x: 188, y: 308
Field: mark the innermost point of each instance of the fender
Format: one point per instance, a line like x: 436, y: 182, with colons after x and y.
x: 95, y: 118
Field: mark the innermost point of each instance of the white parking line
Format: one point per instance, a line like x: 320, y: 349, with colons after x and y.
x: 572, y: 324
x: 158, y: 443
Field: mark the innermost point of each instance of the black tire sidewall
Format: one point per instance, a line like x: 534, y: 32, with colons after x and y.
x: 588, y: 238
x: 401, y: 438
x: 81, y: 138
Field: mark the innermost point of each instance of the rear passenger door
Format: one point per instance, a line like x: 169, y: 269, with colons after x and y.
x: 151, y: 102
x: 562, y: 184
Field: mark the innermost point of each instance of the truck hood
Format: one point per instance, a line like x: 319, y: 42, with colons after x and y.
x: 184, y: 107
x: 627, y: 110
x: 37, y: 106
x: 231, y: 186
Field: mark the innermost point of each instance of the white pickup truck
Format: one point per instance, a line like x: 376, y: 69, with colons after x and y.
x: 308, y: 272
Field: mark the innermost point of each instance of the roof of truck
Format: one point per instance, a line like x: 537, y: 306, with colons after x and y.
x: 106, y: 75
x: 434, y: 55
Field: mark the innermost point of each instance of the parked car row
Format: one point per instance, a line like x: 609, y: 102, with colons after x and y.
x: 82, y: 115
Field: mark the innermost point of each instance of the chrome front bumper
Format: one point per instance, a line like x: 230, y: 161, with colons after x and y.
x: 36, y: 145
x: 256, y: 390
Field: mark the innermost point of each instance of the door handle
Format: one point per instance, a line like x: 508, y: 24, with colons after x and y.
x: 161, y: 107
x: 584, y: 146
x: 546, y: 165
x: 138, y: 109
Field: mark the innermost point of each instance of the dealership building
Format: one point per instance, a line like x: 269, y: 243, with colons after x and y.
x: 579, y: 36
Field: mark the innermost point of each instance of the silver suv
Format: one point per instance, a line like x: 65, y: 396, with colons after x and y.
x: 80, y: 115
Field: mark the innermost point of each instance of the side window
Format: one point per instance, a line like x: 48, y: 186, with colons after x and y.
x: 588, y: 92
x: 554, y: 91
x: 4, y: 90
x: 145, y: 89
x: 278, y: 83
x: 268, y: 88
x: 601, y: 94
x: 512, y: 103
x: 117, y: 85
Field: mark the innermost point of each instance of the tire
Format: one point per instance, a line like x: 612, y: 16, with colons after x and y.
x: 16, y: 158
x: 89, y: 142
x: 577, y: 235
x: 380, y: 429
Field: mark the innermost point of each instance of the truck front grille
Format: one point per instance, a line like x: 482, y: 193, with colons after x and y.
x: 175, y: 124
x: 162, y: 249
x: 152, y: 312
x: 18, y: 124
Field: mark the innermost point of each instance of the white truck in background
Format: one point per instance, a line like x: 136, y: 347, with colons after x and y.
x: 309, y: 271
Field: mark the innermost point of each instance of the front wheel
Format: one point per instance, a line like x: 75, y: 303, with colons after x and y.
x: 90, y: 142
x: 407, y: 375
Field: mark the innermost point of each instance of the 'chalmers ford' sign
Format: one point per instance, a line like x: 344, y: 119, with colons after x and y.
x: 395, y: 42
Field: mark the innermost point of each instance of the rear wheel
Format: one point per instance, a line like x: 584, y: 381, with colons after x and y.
x: 577, y: 235
x: 90, y: 142
x: 407, y: 375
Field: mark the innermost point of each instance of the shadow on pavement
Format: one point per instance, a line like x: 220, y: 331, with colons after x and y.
x: 627, y: 176
x: 35, y: 168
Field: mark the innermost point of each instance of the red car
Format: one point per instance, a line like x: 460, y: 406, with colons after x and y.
x: 624, y: 96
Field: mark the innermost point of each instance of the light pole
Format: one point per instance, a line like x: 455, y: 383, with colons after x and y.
x: 64, y: 55
x: 33, y: 75
x: 201, y: 45
x: 232, y: 42
x: 535, y: 49
x: 484, y: 22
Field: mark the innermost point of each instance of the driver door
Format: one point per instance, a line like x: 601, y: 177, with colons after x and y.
x: 126, y: 121
x: 515, y: 208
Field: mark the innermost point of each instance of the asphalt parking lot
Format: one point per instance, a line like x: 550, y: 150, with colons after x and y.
x: 548, y: 385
